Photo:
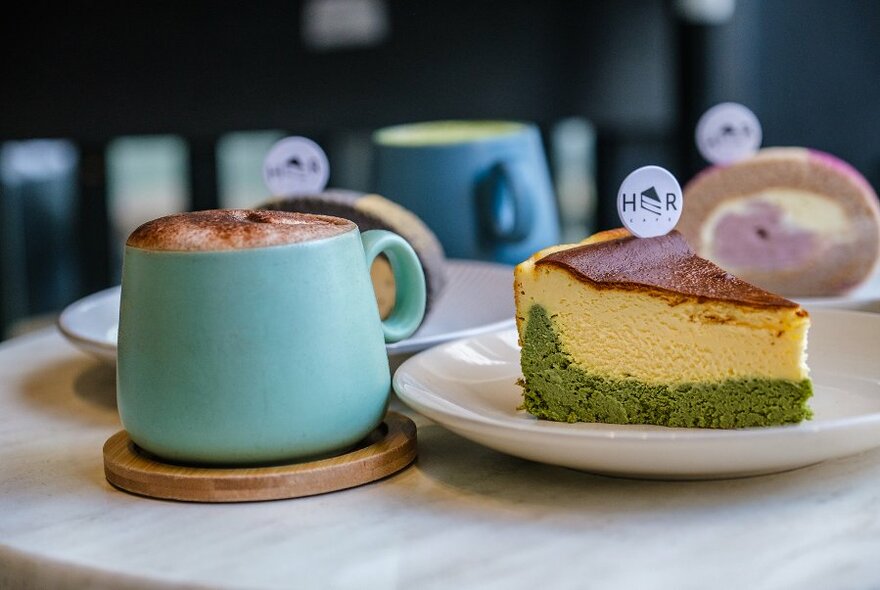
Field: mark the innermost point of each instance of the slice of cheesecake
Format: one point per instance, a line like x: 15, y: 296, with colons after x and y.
x: 643, y: 331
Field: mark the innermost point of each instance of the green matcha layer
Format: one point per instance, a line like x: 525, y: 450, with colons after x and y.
x: 555, y: 389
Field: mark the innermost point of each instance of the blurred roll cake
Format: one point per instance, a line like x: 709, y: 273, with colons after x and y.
x: 371, y: 211
x: 794, y: 221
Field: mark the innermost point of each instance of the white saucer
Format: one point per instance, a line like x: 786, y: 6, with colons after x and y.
x: 477, y: 299
x: 863, y: 298
x: 469, y: 386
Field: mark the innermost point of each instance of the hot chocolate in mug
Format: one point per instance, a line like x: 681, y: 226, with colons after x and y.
x: 254, y: 336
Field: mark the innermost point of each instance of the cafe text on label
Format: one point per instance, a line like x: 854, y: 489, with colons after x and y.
x: 295, y: 166
x: 649, y: 202
x: 728, y: 132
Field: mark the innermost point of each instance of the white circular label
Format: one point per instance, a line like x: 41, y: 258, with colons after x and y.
x: 728, y: 132
x: 295, y: 166
x: 649, y: 202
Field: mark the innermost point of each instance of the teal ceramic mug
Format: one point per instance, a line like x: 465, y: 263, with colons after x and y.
x: 482, y: 186
x: 254, y: 336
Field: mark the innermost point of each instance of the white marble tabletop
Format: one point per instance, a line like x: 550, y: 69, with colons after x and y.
x: 462, y: 517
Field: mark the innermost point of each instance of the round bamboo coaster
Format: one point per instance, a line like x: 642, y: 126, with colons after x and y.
x: 388, y: 449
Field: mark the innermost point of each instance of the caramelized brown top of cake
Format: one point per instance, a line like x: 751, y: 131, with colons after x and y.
x: 665, y: 263
x: 234, y: 229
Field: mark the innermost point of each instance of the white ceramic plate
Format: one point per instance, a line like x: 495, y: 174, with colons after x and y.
x: 91, y: 323
x: 864, y: 298
x: 477, y: 299
x: 469, y: 386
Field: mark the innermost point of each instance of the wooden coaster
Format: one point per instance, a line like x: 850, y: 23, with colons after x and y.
x: 388, y: 449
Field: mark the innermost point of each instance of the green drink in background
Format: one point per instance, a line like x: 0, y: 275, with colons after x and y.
x: 482, y: 186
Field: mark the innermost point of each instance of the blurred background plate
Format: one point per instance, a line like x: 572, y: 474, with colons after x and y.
x: 477, y: 299
x: 863, y: 298
x: 91, y: 323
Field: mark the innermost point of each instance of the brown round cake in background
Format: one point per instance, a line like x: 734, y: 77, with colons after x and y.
x: 794, y: 221
x: 371, y: 211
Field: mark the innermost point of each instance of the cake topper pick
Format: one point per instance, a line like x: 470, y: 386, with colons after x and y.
x: 295, y: 166
x: 728, y: 132
x: 649, y: 202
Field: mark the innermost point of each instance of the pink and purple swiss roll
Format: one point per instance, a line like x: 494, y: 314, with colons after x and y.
x: 798, y: 222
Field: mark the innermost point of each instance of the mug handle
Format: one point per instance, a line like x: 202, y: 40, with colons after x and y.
x: 507, y: 183
x: 409, y: 280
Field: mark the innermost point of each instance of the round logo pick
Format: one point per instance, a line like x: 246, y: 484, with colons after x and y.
x: 728, y: 132
x: 295, y: 166
x: 649, y: 202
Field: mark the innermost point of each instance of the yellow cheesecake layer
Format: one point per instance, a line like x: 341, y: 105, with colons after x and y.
x: 645, y: 335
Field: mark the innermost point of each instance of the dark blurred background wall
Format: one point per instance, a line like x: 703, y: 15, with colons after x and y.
x: 619, y: 82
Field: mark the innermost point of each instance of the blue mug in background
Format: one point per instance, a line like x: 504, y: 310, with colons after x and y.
x: 482, y: 186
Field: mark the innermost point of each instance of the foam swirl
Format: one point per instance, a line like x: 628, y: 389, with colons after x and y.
x: 234, y: 229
